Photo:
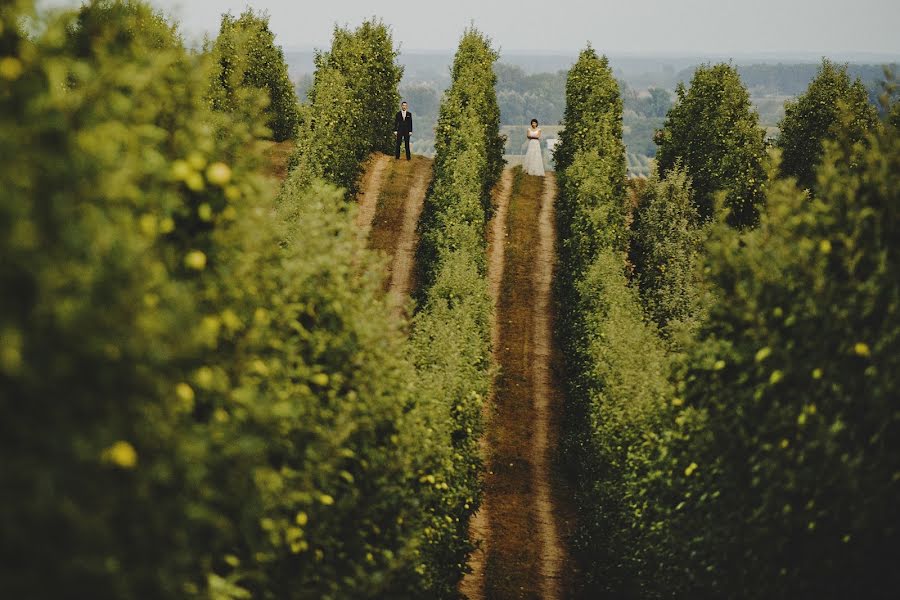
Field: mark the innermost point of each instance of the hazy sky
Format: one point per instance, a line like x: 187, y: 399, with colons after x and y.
x: 720, y: 27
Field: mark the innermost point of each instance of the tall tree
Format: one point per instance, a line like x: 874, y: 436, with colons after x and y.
x: 816, y: 116
x: 367, y: 59
x: 248, y: 57
x: 120, y: 26
x: 714, y: 134
x: 590, y: 160
x: 350, y: 112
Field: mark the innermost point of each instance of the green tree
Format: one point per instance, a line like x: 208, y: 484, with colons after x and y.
x: 666, y: 246
x: 590, y: 160
x: 105, y: 218
x: 714, y: 134
x: 472, y: 89
x: 596, y: 302
x: 366, y: 57
x: 120, y: 26
x: 203, y: 394
x: 815, y: 116
x: 796, y: 373
x: 451, y: 336
x: 334, y: 156
x: 351, y: 107
x: 248, y: 57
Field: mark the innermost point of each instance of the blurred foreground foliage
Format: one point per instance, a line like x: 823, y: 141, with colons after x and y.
x: 204, y: 392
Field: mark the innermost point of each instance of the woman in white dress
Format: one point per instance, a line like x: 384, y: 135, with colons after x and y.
x: 534, y: 158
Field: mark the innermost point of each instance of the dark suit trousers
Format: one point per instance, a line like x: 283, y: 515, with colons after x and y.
x: 402, y: 136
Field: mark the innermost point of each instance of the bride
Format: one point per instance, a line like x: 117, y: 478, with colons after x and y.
x: 534, y: 159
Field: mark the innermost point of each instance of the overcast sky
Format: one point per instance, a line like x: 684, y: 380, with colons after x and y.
x: 706, y: 27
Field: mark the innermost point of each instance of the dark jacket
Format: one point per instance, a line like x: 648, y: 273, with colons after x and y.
x: 401, y: 126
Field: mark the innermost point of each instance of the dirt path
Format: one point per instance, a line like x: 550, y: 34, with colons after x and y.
x: 369, y: 191
x: 525, y: 517
x: 405, y: 254
x: 399, y: 202
x: 553, y: 550
x: 472, y: 585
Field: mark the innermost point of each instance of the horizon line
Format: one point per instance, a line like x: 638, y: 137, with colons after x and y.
x: 632, y: 53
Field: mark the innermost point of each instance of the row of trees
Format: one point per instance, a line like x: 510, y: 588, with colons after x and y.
x: 451, y: 330
x: 204, y: 393
x: 733, y: 401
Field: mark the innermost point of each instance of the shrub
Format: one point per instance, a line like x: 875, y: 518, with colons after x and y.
x: 472, y: 92
x: 713, y: 133
x: 617, y: 365
x: 367, y: 58
x: 816, y: 116
x: 327, y: 460
x: 621, y: 390
x: 763, y: 467
x: 590, y: 211
x: 119, y: 26
x: 334, y: 157
x: 106, y: 211
x: 591, y: 164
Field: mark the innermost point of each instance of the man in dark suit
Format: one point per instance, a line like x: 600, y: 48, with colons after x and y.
x: 403, y: 129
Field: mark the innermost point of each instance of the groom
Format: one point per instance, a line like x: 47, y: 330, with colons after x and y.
x: 402, y: 129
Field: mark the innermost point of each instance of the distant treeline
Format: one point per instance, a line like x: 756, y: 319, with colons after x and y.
x: 792, y: 79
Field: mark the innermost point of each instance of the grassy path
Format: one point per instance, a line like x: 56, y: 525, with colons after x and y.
x: 400, y: 197
x: 473, y: 583
x: 525, y: 519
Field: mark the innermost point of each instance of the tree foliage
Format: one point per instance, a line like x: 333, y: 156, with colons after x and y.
x: 713, y: 133
x: 665, y: 249
x: 367, y: 58
x: 816, y: 116
x: 451, y: 335
x: 204, y: 393
x: 472, y: 92
x: 351, y: 107
x: 794, y: 375
x: 248, y: 57
x: 121, y: 26
x: 595, y: 300
x: 755, y: 456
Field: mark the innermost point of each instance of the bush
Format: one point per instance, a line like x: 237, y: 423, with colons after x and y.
x: 119, y: 26
x: 107, y: 210
x: 247, y: 57
x: 619, y: 396
x: 591, y: 170
x: 367, y: 58
x: 713, y: 133
x: 590, y: 160
x: 472, y: 92
x: 759, y: 460
x: 333, y: 157
x: 617, y: 365
x: 328, y: 462
x: 816, y: 116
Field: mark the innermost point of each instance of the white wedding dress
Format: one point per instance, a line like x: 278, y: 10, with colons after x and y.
x: 534, y: 159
